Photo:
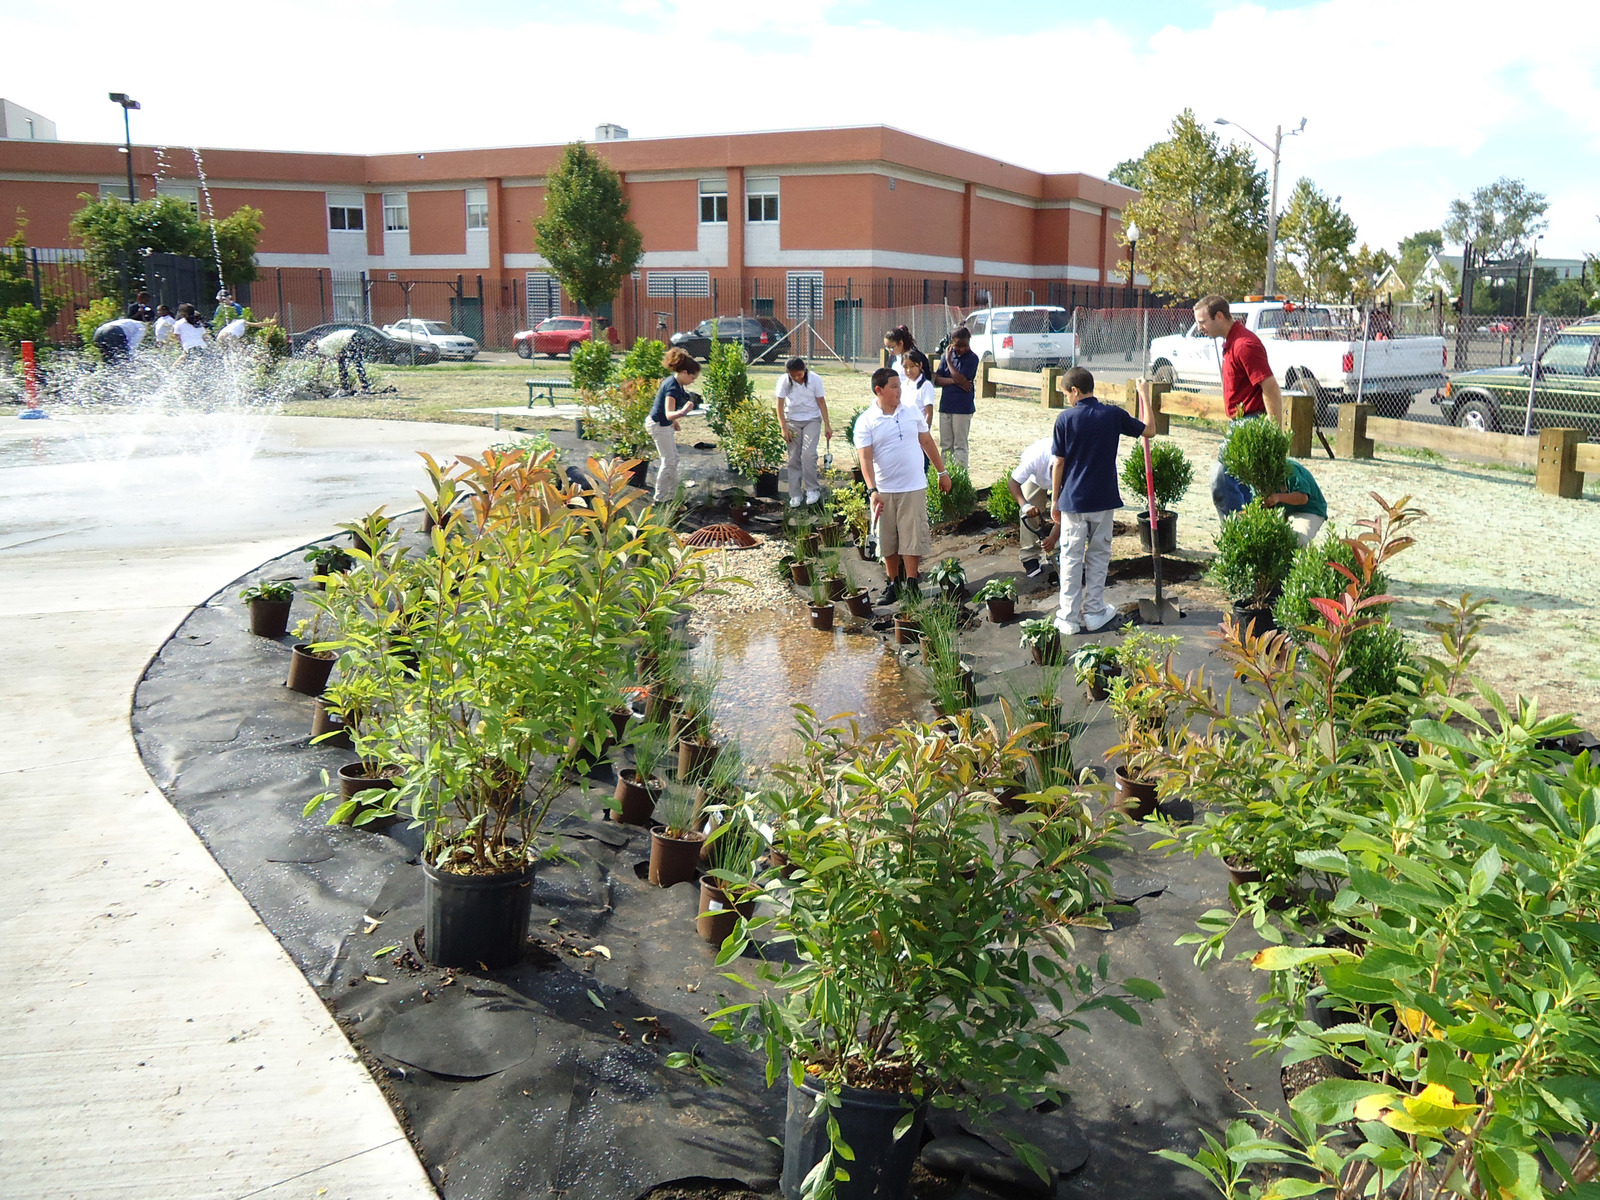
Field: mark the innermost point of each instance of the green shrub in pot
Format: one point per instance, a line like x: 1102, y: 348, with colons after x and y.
x: 270, y: 592
x: 999, y: 588
x: 1172, y: 470
x: 1257, y: 455
x: 898, y: 980
x: 1255, y: 550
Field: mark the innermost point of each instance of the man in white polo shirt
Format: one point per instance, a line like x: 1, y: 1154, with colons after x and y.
x: 891, y: 439
x: 1030, y: 488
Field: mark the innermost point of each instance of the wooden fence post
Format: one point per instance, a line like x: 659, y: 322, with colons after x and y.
x: 1558, y: 466
x: 1302, y: 423
x: 884, y: 356
x: 1049, y: 394
x: 1353, y: 441
x: 1160, y: 422
x: 985, y: 389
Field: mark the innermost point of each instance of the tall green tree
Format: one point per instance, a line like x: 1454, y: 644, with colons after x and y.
x: 1317, y: 239
x: 115, y: 233
x: 1201, y: 212
x: 1501, y: 219
x: 585, y: 233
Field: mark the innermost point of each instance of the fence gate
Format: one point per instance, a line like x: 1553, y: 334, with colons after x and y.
x: 543, y: 292
x: 847, y: 328
x: 466, y: 314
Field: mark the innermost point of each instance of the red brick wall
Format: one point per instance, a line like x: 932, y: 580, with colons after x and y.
x: 439, y: 222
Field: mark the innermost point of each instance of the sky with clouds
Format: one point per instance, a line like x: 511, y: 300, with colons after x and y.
x: 1409, y: 103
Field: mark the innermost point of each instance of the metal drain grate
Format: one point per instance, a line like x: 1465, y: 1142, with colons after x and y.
x: 729, y: 537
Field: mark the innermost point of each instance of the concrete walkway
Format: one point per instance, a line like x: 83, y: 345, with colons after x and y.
x: 156, y: 1039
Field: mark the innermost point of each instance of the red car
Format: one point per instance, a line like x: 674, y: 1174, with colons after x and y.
x: 558, y: 335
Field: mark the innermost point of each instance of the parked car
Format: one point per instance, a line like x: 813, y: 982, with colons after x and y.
x: 449, y: 340
x: 1566, y: 388
x: 558, y: 335
x: 376, y: 345
x: 1310, y: 350
x: 765, y: 339
x: 1023, y: 338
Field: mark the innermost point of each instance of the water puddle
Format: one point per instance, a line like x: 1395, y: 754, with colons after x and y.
x: 773, y: 660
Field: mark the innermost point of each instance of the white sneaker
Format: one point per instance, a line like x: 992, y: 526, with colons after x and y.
x: 813, y: 496
x: 794, y: 501
x: 1068, y: 629
x: 1100, y: 622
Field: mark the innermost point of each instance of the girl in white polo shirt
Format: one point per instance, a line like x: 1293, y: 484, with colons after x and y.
x: 803, y: 415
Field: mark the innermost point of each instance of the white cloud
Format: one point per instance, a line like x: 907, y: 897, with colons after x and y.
x: 1407, y: 103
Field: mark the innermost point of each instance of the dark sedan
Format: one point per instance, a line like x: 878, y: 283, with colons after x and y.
x: 376, y: 346
x: 765, y: 339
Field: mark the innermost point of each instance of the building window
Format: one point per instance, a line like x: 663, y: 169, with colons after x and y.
x: 477, y: 208
x: 694, y: 285
x: 31, y: 135
x: 189, y: 195
x: 113, y: 191
x: 342, y: 216
x: 713, y: 203
x: 396, y: 213
x: 761, y: 201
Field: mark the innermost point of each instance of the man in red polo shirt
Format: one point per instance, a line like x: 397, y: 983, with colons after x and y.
x: 1249, y: 388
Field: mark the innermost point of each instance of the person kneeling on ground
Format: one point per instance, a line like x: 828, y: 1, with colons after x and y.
x: 344, y: 347
x: 1030, y: 488
x: 1301, y: 501
x: 891, y: 439
x: 802, y: 415
x: 1084, y: 474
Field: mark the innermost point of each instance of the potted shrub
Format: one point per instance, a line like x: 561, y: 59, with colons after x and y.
x: 1001, y: 597
x: 849, y: 507
x: 1257, y: 455
x: 754, y: 446
x: 675, y: 838
x: 1173, y: 474
x: 327, y: 560
x: 1255, y: 550
x: 368, y: 535
x: 727, y: 887
x: 950, y: 577
x: 895, y: 992
x: 269, y: 605
x: 1041, y: 636
x: 521, y: 622
x: 639, y: 785
x: 738, y: 504
x: 312, y: 662
x: 821, y: 605
x: 1141, y: 710
x: 1094, y: 666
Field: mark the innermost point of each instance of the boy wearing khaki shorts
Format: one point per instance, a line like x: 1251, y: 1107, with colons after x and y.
x: 891, y: 439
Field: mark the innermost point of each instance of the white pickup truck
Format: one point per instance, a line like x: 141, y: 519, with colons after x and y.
x: 1313, y: 351
x: 1023, y: 338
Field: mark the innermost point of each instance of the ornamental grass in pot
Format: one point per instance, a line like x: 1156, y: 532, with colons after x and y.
x: 728, y: 884
x: 269, y: 604
x: 1173, y: 473
x: 855, y: 597
x: 639, y: 785
x: 521, y: 619
x: 821, y: 604
x: 675, y: 837
x: 1255, y: 550
x: 898, y: 994
x: 1001, y: 597
x: 697, y: 747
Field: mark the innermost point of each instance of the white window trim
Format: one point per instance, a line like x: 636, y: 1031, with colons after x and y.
x: 713, y: 190
x: 478, y: 206
x: 762, y: 189
x: 347, y: 209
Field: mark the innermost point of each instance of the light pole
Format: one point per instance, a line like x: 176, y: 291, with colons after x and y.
x: 1133, y: 253
x: 1272, y: 211
x: 123, y: 99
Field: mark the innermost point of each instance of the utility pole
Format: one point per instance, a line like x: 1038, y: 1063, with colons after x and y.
x: 1276, y: 150
x: 127, y: 103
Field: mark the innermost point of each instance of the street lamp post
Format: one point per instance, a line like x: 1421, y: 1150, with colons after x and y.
x: 127, y: 103
x: 1275, y: 150
x: 1133, y: 253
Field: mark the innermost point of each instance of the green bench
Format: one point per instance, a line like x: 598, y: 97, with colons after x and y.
x: 549, y: 387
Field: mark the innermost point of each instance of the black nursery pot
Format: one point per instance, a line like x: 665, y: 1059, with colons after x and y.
x: 639, y: 473
x: 882, y: 1167
x: 270, y: 618
x: 475, y: 919
x: 308, y: 672
x: 1166, y: 531
x: 767, y: 485
x: 1253, y: 620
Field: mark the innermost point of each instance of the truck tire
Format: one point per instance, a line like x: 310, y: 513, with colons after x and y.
x: 1393, y: 405
x: 1165, y: 373
x: 1478, y: 413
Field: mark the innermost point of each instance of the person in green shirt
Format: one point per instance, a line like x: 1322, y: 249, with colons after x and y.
x: 1301, y: 500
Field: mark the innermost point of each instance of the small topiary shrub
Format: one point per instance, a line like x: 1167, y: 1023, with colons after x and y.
x: 643, y: 361
x: 1255, y: 550
x: 726, y: 384
x: 1003, y: 506
x: 591, y: 365
x: 1257, y: 455
x: 1172, y: 470
x: 1377, y: 657
x: 960, y: 501
x: 1313, y: 575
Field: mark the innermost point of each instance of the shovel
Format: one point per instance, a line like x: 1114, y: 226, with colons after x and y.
x: 1157, y: 611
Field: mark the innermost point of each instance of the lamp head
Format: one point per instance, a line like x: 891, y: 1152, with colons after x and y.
x: 123, y: 99
x: 1133, y: 232
x: 1222, y: 121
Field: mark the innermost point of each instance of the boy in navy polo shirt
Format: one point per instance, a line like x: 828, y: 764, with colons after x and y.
x: 1084, y: 475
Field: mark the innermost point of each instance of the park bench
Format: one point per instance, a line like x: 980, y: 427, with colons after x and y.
x: 549, y: 387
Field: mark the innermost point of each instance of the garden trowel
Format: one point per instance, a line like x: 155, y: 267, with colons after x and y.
x: 1158, y: 611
